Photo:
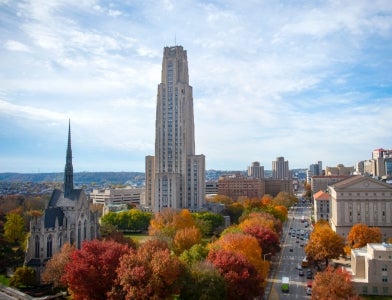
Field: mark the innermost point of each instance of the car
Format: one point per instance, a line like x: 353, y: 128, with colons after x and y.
x: 299, y: 267
x: 308, y: 291
x: 309, y: 274
x: 297, y: 241
x: 291, y: 250
x: 301, y: 272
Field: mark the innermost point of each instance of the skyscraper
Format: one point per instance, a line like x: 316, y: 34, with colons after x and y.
x: 280, y: 168
x: 175, y: 176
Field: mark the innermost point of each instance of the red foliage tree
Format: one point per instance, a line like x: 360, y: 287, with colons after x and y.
x: 91, y: 271
x: 243, y: 280
x: 149, y: 273
x: 267, y: 238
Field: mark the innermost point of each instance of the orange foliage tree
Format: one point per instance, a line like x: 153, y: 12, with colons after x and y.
x: 55, y: 267
x: 324, y: 243
x: 245, y: 245
x: 361, y: 234
x: 185, y: 238
x: 333, y: 284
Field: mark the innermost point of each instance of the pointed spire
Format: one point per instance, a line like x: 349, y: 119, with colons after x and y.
x: 68, y: 172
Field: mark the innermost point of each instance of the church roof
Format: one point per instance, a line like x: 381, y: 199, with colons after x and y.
x: 51, y: 214
x: 57, y: 199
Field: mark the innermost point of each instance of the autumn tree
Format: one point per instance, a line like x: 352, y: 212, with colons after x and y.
x: 14, y: 228
x: 333, y: 284
x: 185, y: 238
x: 55, y: 267
x: 220, y: 199
x: 203, y: 281
x: 242, y: 278
x: 285, y: 199
x: 267, y: 238
x: 266, y: 200
x: 245, y: 245
x: 150, y: 272
x: 23, y: 276
x: 324, y: 244
x: 196, y: 253
x: 168, y: 221
x: 360, y: 235
x: 91, y: 271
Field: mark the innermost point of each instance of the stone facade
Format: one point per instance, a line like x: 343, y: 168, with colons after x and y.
x: 67, y: 218
x: 175, y: 176
x: 321, y: 206
x: 361, y: 199
x: 371, y: 269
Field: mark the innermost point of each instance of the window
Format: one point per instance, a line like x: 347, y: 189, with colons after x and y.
x: 364, y: 289
x: 36, y: 246
x: 384, y: 278
x: 49, y: 249
x: 375, y: 290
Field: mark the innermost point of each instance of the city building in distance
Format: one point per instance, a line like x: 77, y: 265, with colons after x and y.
x: 255, y: 170
x: 280, y: 168
x: 175, y: 176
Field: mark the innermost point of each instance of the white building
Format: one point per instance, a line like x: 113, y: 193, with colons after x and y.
x: 128, y: 195
x: 361, y: 199
x: 371, y: 269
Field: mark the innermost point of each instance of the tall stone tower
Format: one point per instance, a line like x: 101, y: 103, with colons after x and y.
x: 68, y: 170
x: 175, y: 176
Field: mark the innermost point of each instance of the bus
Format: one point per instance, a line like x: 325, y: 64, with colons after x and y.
x: 285, y: 284
x: 305, y: 262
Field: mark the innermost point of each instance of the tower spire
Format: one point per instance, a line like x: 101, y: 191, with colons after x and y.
x: 68, y: 171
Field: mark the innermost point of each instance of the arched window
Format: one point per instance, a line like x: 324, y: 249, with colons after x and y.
x: 36, y: 245
x: 49, y: 244
x: 72, y: 237
x: 60, y: 240
x: 79, y: 234
x: 85, y: 230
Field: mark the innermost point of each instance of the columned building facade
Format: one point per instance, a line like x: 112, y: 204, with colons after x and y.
x: 175, y: 176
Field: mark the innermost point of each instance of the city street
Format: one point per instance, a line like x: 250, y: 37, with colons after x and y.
x: 291, y: 255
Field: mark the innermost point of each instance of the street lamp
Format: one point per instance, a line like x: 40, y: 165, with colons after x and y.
x: 264, y: 255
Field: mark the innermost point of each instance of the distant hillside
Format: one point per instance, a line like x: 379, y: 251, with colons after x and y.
x: 79, y: 178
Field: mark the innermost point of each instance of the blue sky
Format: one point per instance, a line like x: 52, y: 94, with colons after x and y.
x: 307, y: 80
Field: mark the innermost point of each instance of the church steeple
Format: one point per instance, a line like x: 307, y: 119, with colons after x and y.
x: 68, y: 172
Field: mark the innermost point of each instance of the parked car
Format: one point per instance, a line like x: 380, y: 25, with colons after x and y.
x: 309, y: 274
x: 301, y: 272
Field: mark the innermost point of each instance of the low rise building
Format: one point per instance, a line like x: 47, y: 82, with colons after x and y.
x: 339, y: 170
x: 237, y: 187
x: 361, y: 199
x: 371, y: 269
x: 321, y: 206
x: 129, y: 195
x: 321, y: 182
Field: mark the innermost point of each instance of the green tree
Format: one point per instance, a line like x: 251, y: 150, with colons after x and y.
x: 203, y: 281
x: 23, y: 276
x: 196, y: 253
x: 14, y: 228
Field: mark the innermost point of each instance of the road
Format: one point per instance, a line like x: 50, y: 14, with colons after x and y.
x: 286, y: 264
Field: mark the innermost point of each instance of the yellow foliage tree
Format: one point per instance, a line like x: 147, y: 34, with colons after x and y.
x: 185, y: 238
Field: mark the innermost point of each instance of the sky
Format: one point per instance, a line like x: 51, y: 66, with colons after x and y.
x: 307, y: 80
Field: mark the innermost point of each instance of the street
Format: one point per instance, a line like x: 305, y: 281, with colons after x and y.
x: 295, y: 233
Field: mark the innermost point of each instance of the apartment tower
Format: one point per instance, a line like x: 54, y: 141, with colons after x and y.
x: 280, y: 168
x: 175, y: 176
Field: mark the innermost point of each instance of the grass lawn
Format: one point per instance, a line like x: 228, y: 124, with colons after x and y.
x: 4, y: 280
x: 138, y: 237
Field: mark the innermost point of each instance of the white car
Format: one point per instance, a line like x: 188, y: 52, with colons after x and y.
x: 308, y: 291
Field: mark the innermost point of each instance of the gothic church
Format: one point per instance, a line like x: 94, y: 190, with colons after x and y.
x: 67, y: 218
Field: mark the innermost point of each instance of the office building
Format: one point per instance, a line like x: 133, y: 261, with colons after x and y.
x: 255, y: 170
x: 361, y: 199
x: 339, y: 170
x: 280, y: 168
x: 175, y: 176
